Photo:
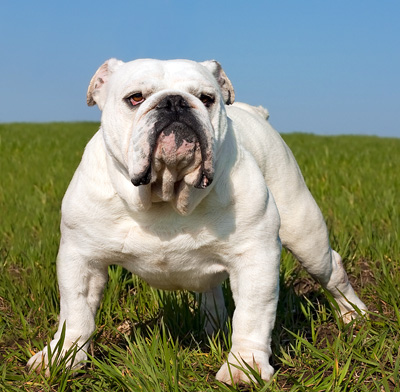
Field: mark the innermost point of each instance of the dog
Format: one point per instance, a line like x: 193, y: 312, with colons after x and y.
x: 186, y: 188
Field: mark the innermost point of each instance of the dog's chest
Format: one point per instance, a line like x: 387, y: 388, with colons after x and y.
x: 172, y: 255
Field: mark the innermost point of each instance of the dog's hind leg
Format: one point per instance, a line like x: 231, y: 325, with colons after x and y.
x: 304, y: 232
x: 213, y: 307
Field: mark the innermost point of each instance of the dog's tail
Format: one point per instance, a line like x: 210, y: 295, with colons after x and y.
x: 262, y: 111
x: 257, y: 110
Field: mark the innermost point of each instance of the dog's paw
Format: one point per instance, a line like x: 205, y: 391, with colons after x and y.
x: 348, y: 313
x: 69, y: 356
x: 350, y: 308
x: 236, y: 370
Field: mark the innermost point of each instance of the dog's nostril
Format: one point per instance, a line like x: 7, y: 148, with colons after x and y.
x: 173, y: 103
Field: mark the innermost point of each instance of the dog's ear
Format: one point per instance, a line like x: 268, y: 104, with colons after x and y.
x: 97, y: 91
x: 225, y: 84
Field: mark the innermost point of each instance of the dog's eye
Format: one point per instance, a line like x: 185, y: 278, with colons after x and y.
x: 135, y: 99
x: 207, y: 100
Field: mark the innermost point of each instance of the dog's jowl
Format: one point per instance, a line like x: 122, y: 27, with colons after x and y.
x: 185, y: 188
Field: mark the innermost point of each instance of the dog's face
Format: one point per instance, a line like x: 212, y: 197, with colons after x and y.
x: 163, y: 121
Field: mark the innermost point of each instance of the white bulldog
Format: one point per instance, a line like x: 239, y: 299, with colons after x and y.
x: 184, y: 188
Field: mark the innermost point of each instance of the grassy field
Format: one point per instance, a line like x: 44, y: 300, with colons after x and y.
x: 148, y: 340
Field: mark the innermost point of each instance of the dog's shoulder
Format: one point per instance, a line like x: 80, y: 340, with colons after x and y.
x: 90, y: 186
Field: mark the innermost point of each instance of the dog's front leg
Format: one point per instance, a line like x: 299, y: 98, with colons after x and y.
x: 81, y: 283
x: 255, y: 287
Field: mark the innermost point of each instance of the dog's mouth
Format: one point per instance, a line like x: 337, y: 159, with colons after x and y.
x: 179, y: 154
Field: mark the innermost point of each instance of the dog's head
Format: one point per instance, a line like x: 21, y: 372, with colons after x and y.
x: 163, y: 122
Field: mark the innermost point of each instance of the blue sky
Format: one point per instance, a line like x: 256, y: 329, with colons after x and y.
x: 319, y: 66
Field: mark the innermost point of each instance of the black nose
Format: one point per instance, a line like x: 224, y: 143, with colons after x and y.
x: 173, y: 103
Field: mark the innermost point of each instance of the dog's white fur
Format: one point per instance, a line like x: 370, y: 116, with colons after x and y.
x: 176, y: 236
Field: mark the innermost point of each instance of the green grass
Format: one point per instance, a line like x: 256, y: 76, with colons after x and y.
x: 148, y: 340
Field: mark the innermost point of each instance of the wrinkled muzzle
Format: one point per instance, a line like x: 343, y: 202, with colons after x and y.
x: 171, y: 143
